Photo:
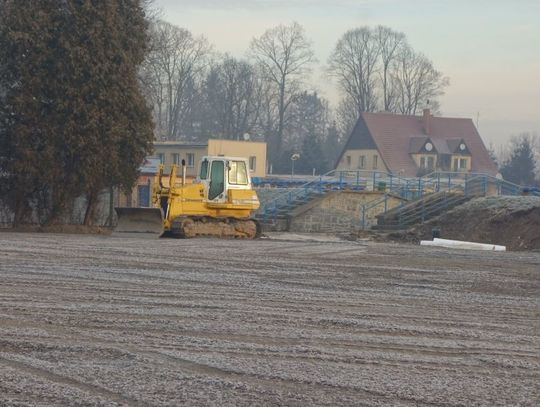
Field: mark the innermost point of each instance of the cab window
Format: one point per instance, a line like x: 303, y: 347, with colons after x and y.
x: 204, y: 169
x: 237, y: 173
x: 217, y: 176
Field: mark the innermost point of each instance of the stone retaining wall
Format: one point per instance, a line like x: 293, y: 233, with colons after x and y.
x: 266, y: 195
x: 339, y: 212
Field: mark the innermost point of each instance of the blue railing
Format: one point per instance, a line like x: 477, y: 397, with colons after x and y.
x: 297, y: 193
x: 370, y: 205
x: 470, y: 184
x: 358, y: 180
x: 533, y: 191
x: 453, y: 188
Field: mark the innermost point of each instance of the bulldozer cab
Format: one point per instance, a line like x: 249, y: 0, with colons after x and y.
x: 221, y: 174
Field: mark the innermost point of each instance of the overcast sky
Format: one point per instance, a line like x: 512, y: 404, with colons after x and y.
x: 490, y: 49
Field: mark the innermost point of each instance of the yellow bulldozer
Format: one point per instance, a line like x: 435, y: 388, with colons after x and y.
x: 220, y: 202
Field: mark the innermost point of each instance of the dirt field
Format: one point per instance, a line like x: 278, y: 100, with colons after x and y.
x: 100, y: 320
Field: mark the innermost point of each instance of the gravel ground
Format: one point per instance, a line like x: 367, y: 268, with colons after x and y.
x: 105, y: 321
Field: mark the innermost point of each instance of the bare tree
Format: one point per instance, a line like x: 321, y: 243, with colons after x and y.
x: 284, y: 55
x: 232, y: 103
x: 267, y: 96
x: 152, y: 12
x: 354, y: 62
x: 377, y: 70
x: 417, y: 81
x: 346, y: 115
x: 390, y: 45
x: 171, y: 74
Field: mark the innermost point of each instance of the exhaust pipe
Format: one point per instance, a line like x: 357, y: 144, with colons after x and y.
x: 183, y: 172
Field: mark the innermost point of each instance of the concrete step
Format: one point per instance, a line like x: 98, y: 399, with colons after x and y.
x: 420, y: 214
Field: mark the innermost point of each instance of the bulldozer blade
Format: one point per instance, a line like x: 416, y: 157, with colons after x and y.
x: 139, y: 220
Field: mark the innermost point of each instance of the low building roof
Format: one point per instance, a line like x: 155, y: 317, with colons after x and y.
x: 179, y: 144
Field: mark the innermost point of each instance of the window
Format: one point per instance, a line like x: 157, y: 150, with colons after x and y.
x: 422, y: 162
x: 143, y: 192
x: 204, y: 169
x: 252, y: 163
x: 190, y: 159
x: 348, y: 161
x: 431, y: 163
x: 460, y: 164
x: 237, y: 173
x: 362, y: 161
x: 161, y: 157
x: 375, y: 161
x: 175, y: 158
x: 217, y: 185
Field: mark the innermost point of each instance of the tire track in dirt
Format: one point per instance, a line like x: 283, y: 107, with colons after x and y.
x: 156, y: 357
x: 47, y: 375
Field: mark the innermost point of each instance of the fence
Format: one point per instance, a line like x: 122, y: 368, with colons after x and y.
x: 441, y: 191
x: 411, y: 189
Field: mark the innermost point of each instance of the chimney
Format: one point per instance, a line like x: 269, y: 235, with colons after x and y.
x: 427, y: 121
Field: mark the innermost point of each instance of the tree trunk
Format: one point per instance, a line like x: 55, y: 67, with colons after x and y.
x: 21, y: 214
x: 89, y: 216
x: 279, y: 139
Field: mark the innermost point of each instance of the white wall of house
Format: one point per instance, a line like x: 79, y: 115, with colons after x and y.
x: 368, y: 160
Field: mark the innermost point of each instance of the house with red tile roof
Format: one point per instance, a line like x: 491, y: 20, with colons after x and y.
x: 411, y: 146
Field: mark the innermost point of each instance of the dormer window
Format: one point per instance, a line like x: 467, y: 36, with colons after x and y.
x: 457, y: 146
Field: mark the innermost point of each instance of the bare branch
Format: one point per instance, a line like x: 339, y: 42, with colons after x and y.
x: 284, y: 56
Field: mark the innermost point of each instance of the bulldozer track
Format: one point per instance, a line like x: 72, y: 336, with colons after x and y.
x: 187, y: 227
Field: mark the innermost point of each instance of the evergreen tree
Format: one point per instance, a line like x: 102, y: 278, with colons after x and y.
x: 520, y: 167
x: 333, y: 145
x: 493, y: 155
x: 28, y: 79
x: 307, y: 133
x: 312, y: 158
x: 72, y: 119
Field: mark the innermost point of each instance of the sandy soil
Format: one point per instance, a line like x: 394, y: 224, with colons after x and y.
x: 104, y: 321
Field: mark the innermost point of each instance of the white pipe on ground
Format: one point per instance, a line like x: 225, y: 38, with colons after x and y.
x: 460, y: 244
